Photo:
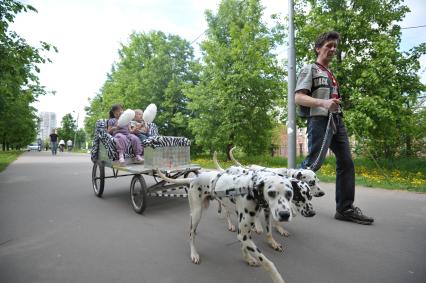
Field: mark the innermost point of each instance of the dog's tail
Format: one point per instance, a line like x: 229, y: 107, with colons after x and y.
x: 175, y: 181
x: 233, y: 158
x: 216, y: 163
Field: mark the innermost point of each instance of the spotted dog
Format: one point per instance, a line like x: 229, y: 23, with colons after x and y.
x: 245, y: 193
x: 305, y: 175
x: 301, y: 202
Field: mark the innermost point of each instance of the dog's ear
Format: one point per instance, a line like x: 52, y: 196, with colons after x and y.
x: 297, y: 195
x: 294, y: 184
x: 260, y: 185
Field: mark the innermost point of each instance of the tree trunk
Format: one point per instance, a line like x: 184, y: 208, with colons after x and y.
x: 228, y: 149
x: 408, y: 146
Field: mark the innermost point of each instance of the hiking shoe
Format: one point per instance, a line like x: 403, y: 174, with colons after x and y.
x: 354, y: 214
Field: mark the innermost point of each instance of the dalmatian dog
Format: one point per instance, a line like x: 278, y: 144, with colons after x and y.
x: 301, y: 204
x: 246, y: 193
x: 305, y: 175
x: 301, y: 201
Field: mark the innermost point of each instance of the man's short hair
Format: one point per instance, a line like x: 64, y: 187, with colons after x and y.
x: 323, y: 38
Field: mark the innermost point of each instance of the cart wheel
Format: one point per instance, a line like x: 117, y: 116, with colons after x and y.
x: 98, y: 178
x: 138, y: 193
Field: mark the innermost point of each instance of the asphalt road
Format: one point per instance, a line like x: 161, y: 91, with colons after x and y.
x: 54, y: 229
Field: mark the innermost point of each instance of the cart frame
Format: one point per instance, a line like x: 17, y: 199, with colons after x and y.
x: 139, y: 191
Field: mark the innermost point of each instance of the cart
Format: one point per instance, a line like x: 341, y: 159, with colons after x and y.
x: 139, y: 191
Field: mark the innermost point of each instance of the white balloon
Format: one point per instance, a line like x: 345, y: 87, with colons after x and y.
x: 125, y: 118
x: 150, y: 113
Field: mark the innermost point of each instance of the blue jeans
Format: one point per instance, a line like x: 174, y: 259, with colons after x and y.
x: 338, y: 142
x: 142, y: 136
x: 54, y: 146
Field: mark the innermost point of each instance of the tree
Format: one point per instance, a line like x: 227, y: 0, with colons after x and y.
x: 152, y: 68
x: 19, y: 122
x: 68, y: 128
x: 240, y: 80
x: 379, y: 82
x: 80, y: 138
x: 19, y: 83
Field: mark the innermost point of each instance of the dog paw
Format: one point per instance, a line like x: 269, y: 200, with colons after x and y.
x: 231, y: 227
x: 257, y: 230
x: 195, y: 258
x: 278, y: 247
x: 275, y: 245
x: 252, y: 262
x: 283, y: 232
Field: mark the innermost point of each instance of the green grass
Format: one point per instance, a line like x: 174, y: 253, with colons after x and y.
x: 7, y: 157
x: 396, y: 174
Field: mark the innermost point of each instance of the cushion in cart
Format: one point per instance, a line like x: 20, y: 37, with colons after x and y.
x: 166, y: 141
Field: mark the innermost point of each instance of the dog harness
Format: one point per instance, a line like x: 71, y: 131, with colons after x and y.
x: 233, y: 185
x: 237, y: 185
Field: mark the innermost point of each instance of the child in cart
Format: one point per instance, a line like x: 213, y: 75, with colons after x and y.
x: 138, y: 126
x: 122, y: 135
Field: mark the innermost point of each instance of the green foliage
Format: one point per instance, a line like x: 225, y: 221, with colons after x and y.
x: 379, y: 83
x: 19, y: 83
x: 80, y: 139
x: 153, y: 68
x: 68, y: 128
x: 240, y: 80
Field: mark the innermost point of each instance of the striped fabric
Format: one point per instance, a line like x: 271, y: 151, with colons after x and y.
x: 165, y: 141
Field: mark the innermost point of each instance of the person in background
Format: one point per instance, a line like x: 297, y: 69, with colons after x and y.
x: 69, y: 145
x: 53, y: 141
x: 40, y: 144
x: 122, y: 135
x: 61, y: 145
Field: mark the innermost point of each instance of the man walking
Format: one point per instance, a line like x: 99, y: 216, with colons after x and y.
x: 318, y: 95
x: 54, y: 141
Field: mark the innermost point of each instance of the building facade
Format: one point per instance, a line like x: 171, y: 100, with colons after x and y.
x: 301, y: 142
x: 47, y: 124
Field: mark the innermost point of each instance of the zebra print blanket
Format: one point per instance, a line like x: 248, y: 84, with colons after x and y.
x: 101, y: 135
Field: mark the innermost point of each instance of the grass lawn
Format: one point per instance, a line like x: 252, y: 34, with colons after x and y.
x: 396, y: 174
x: 7, y: 157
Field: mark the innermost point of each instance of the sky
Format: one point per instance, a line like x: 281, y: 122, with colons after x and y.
x: 89, y: 33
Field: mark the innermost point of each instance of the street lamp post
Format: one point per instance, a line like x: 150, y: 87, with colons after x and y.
x: 75, y: 133
x: 291, y: 124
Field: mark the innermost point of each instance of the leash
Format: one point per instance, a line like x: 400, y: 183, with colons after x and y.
x: 330, y: 120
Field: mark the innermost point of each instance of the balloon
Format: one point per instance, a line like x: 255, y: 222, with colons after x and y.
x: 150, y: 113
x: 126, y: 117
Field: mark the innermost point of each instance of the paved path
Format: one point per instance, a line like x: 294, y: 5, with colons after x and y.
x: 53, y: 229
